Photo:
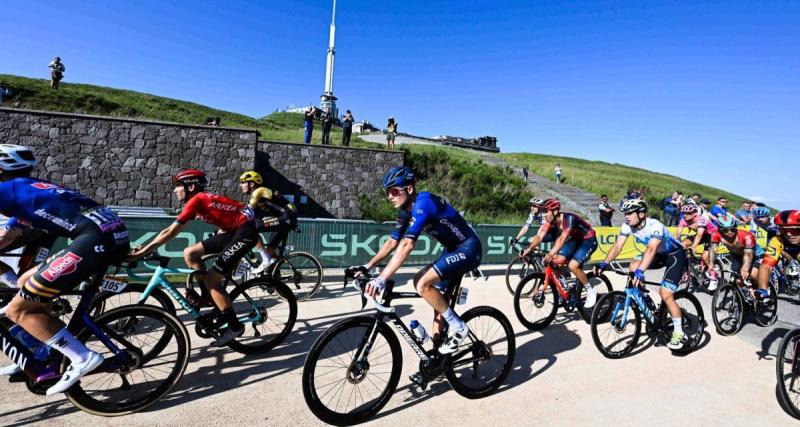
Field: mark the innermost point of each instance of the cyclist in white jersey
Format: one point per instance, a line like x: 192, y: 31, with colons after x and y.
x: 662, y: 250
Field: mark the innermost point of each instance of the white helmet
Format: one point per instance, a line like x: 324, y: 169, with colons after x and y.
x: 15, y: 157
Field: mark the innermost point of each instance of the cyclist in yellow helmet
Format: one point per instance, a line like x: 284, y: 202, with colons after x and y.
x: 273, y: 214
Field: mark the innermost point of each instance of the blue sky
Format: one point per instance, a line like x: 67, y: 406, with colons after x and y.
x: 709, y: 91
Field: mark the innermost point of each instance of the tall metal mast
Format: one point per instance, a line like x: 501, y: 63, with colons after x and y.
x: 327, y: 100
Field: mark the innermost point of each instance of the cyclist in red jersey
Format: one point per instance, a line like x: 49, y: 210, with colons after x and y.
x: 745, y: 253
x: 236, y: 238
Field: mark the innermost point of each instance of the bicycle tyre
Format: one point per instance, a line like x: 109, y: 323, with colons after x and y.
x: 789, y: 394
x: 767, y: 314
x: 692, y: 320
x: 302, y: 291
x: 517, y: 269
x: 315, y: 402
x: 241, y: 295
x: 88, y: 402
x: 537, y: 299
x: 157, y: 296
x: 602, y: 315
x: 602, y: 285
x: 458, y: 381
x: 727, y: 310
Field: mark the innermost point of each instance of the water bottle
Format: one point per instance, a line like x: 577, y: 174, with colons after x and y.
x: 40, y: 350
x: 419, y: 331
x: 462, y: 296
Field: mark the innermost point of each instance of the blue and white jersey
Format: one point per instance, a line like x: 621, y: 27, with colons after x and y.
x: 431, y: 214
x: 534, y: 218
x: 652, y: 229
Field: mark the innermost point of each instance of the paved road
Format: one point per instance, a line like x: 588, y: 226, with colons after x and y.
x: 559, y: 378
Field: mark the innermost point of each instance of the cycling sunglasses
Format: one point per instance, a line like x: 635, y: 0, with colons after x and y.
x: 729, y: 230
x: 395, y: 191
x: 791, y: 231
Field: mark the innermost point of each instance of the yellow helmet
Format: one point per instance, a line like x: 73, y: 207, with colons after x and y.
x: 251, y: 176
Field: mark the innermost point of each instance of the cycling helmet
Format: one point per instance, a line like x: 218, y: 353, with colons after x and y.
x: 633, y: 205
x: 788, y: 219
x: 536, y: 201
x: 726, y: 221
x: 251, y: 176
x: 398, y: 176
x: 16, y: 157
x: 190, y: 176
x: 689, y: 209
x: 552, y: 205
x: 761, y: 212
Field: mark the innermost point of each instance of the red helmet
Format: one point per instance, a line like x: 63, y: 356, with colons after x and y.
x: 190, y: 176
x: 551, y: 205
x: 690, y: 209
x: 788, y: 218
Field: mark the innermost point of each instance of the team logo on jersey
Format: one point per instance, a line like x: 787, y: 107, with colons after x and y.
x: 44, y: 186
x: 62, y: 266
x: 455, y: 258
x: 223, y: 206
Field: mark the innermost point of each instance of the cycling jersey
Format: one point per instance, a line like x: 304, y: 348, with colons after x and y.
x: 220, y: 211
x: 534, y: 218
x: 776, y: 247
x: 265, y: 203
x: 771, y: 228
x: 33, y: 203
x: 743, y: 241
x: 430, y: 213
x: 652, y: 229
x: 575, y: 226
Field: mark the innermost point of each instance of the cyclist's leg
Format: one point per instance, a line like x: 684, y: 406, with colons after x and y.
x: 582, y: 253
x: 675, y: 263
x: 566, y: 252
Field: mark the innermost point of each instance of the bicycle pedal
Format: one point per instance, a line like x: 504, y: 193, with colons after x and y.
x: 419, y: 380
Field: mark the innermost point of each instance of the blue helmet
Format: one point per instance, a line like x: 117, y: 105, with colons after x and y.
x: 726, y: 221
x: 398, y: 176
x: 761, y: 212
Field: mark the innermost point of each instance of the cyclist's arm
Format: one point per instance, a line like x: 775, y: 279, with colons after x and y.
x: 537, y: 239
x: 613, y: 253
x: 8, y: 235
x: 698, y: 236
x: 400, y: 255
x: 559, y: 243
x: 649, y: 254
x: 522, y: 232
x: 712, y: 253
x: 163, y: 237
x: 747, y: 263
x: 678, y: 232
x: 385, y: 250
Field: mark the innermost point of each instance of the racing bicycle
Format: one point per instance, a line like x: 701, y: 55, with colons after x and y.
x: 733, y: 299
x: 521, y: 266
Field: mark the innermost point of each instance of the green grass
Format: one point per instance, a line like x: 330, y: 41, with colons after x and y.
x: 615, y: 179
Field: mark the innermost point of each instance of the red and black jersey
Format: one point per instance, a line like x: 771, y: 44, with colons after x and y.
x: 221, y: 211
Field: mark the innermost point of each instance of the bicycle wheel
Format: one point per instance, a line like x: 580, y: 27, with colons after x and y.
x: 727, y: 310
x: 302, y: 272
x: 112, y: 389
x: 787, y: 369
x: 766, y: 313
x: 615, y: 331
x: 107, y: 301
x: 534, y: 304
x: 693, y: 321
x: 269, y: 309
x: 483, y: 360
x: 517, y: 269
x: 338, y: 388
x: 601, y: 285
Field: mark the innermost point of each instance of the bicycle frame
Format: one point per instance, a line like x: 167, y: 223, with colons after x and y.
x: 635, y: 295
x: 551, y: 276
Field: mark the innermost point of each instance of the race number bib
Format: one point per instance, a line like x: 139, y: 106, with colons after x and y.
x: 112, y: 285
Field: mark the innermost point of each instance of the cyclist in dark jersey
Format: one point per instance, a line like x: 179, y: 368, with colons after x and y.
x: 99, y: 239
x: 575, y: 244
x: 418, y: 212
x: 236, y: 238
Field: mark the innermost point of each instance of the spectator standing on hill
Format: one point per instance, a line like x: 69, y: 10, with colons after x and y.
x: 671, y: 209
x: 558, y: 173
x: 525, y: 174
x: 391, y: 133
x: 4, y: 92
x: 720, y: 208
x: 695, y: 198
x: 56, y: 72
x: 347, y: 128
x: 308, y: 124
x: 606, y: 211
x: 327, y: 124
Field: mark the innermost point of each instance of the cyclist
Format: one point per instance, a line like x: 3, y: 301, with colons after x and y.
x: 99, y: 239
x: 535, y: 215
x: 663, y: 250
x: 236, y: 238
x: 703, y: 229
x: 764, y: 222
x: 786, y: 244
x: 575, y: 243
x: 745, y: 253
x: 272, y: 212
x: 418, y: 212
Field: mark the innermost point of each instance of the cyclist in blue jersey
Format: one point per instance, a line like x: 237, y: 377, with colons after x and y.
x: 663, y: 250
x: 99, y: 239
x: 418, y: 212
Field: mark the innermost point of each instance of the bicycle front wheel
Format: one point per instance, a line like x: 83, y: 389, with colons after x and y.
x: 485, y: 358
x: 600, y: 285
x: 615, y: 331
x: 787, y: 369
x: 119, y: 388
x: 727, y: 310
x: 302, y: 272
x: 342, y: 385
x: 517, y: 269
x: 267, y: 309
x: 534, y: 304
x: 766, y: 313
x: 693, y: 321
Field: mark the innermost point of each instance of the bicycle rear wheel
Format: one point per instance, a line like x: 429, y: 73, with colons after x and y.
x: 535, y: 305
x: 601, y: 285
x: 485, y: 358
x: 118, y: 389
x: 338, y: 388
x: 517, y: 269
x: 615, y: 331
x: 302, y: 272
x: 787, y: 369
x: 693, y: 321
x: 727, y: 310
x: 766, y: 313
x: 269, y: 310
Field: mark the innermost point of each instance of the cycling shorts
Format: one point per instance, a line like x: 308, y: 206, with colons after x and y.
x: 705, y: 240
x: 37, y: 244
x: 280, y: 229
x: 453, y: 264
x: 91, y: 252
x: 231, y: 247
x: 580, y: 250
x: 675, y: 264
